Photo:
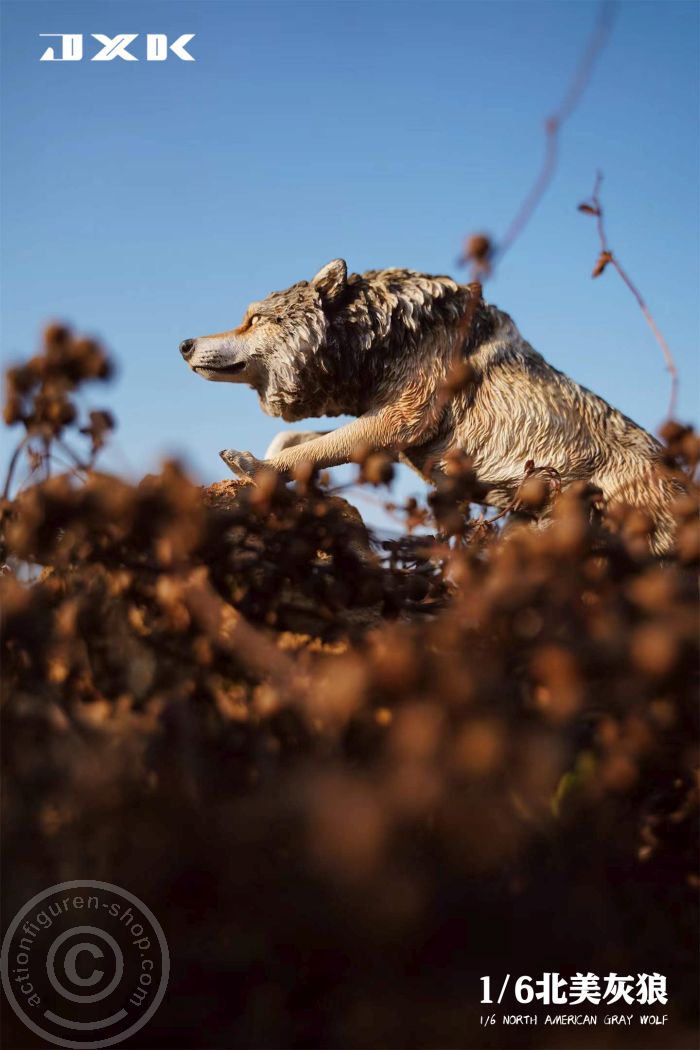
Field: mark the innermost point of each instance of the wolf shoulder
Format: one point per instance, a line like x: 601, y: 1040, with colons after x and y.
x: 530, y: 382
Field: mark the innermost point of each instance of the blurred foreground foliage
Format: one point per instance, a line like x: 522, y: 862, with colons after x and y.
x: 348, y: 784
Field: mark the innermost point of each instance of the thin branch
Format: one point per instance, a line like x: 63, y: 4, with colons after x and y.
x: 12, y: 464
x: 607, y: 257
x: 75, y: 471
x: 553, y: 124
x: 479, y: 250
x: 46, y: 457
x: 86, y: 467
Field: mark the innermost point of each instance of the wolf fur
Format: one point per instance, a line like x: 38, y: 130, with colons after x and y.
x: 382, y: 345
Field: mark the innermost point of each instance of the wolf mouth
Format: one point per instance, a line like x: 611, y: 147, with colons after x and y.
x: 224, y: 369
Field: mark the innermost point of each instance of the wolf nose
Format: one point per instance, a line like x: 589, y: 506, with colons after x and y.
x: 186, y: 348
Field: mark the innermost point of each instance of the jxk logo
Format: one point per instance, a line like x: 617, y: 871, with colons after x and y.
x: 157, y: 47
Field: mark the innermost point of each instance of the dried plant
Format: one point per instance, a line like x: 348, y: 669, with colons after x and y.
x: 480, y: 252
x: 607, y: 258
x: 349, y: 780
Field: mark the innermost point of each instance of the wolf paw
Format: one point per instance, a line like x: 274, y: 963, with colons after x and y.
x: 244, y: 464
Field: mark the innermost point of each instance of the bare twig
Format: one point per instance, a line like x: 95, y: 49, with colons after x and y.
x: 44, y: 458
x: 12, y: 464
x: 606, y: 258
x: 86, y: 467
x: 68, y: 467
x: 479, y: 251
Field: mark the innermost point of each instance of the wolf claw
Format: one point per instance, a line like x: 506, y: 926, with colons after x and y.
x: 244, y: 464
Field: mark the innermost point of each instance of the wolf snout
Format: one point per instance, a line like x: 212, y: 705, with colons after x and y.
x: 186, y: 348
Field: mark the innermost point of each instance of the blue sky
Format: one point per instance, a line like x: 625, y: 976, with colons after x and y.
x: 149, y: 202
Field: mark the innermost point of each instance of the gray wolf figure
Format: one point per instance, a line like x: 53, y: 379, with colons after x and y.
x: 382, y: 345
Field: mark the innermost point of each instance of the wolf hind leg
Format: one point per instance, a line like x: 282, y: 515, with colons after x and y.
x: 290, y: 438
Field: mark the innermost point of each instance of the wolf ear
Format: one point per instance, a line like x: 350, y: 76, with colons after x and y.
x: 330, y: 281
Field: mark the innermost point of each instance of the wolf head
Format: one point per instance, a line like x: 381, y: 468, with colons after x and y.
x: 274, y: 349
x: 343, y: 344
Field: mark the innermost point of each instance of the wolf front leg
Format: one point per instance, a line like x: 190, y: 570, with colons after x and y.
x: 411, y: 420
x: 388, y: 429
x: 290, y: 438
x: 242, y: 464
x: 329, y: 450
x: 245, y: 464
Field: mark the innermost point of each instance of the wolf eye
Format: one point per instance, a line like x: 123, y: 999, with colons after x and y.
x: 254, y: 319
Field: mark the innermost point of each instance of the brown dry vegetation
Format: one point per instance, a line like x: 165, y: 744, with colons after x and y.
x: 348, y: 786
